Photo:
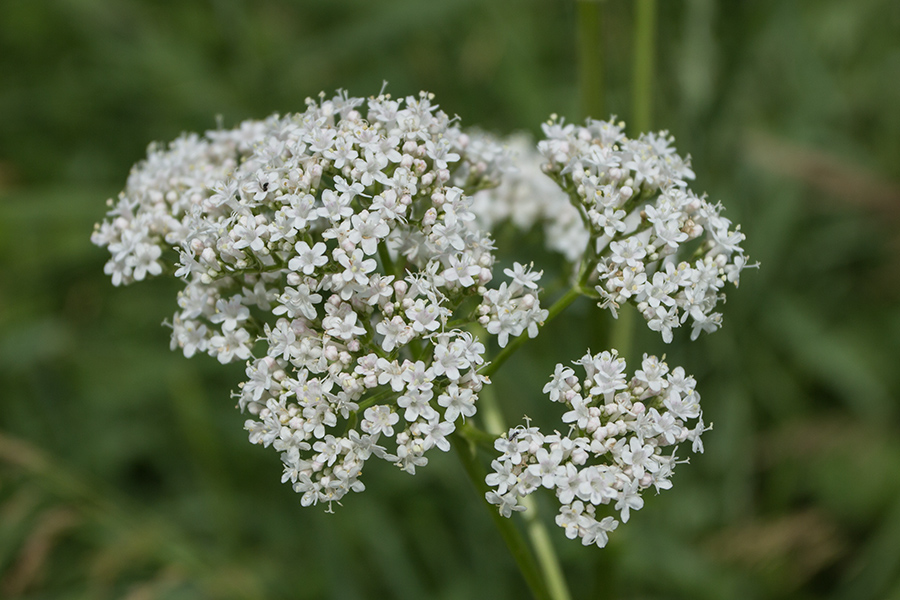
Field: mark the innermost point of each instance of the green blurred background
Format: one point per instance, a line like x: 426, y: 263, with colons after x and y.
x: 124, y: 469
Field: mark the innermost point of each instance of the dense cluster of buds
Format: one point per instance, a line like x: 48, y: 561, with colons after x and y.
x: 330, y: 250
x: 621, y: 439
x: 654, y: 242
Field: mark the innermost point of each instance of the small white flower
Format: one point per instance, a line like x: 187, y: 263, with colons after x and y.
x: 308, y: 258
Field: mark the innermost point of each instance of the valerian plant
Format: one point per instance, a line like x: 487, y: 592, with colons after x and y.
x: 344, y: 255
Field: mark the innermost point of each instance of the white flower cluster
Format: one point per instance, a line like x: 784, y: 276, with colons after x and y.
x: 161, y: 194
x: 331, y: 251
x: 526, y: 196
x: 513, y: 308
x: 621, y: 441
x: 633, y: 196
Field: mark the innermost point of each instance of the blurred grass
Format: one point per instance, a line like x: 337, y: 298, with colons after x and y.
x: 124, y: 471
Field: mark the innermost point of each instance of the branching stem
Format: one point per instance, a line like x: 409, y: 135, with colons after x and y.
x: 513, y: 345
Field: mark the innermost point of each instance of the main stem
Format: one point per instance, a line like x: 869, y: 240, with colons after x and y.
x: 549, y: 579
x: 537, y: 531
x: 517, y: 545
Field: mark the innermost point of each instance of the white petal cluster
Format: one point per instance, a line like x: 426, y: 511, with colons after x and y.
x: 513, y: 308
x: 656, y: 244
x: 622, y: 437
x: 162, y: 191
x: 330, y: 250
x: 526, y: 196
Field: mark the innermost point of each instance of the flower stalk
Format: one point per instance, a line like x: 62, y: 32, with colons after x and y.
x: 568, y: 298
x: 516, y: 544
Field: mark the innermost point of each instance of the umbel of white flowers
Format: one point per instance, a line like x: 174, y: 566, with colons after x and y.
x: 619, y: 432
x: 658, y: 245
x: 345, y: 245
x: 344, y: 254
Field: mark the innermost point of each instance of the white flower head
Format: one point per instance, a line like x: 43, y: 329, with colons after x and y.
x: 620, y: 442
x: 339, y: 238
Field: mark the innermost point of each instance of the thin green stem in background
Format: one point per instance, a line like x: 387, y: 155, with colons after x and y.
x: 546, y: 554
x: 590, y: 58
x: 641, y: 118
x: 644, y: 64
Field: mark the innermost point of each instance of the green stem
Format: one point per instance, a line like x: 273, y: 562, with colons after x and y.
x: 590, y: 55
x: 375, y: 398
x: 644, y: 64
x: 554, y: 310
x: 386, y: 263
x: 543, y: 548
x: 537, y: 531
x: 642, y: 111
x: 477, y: 436
x: 516, y: 544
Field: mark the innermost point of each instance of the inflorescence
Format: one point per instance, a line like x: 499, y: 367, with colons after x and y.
x: 344, y: 255
x: 344, y: 246
x: 654, y: 242
x: 621, y: 439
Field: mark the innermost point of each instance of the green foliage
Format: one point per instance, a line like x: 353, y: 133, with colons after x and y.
x: 124, y: 469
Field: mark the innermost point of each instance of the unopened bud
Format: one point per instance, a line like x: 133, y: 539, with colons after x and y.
x: 208, y: 256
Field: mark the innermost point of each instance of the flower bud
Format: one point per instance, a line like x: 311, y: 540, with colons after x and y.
x: 330, y: 353
x: 208, y: 256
